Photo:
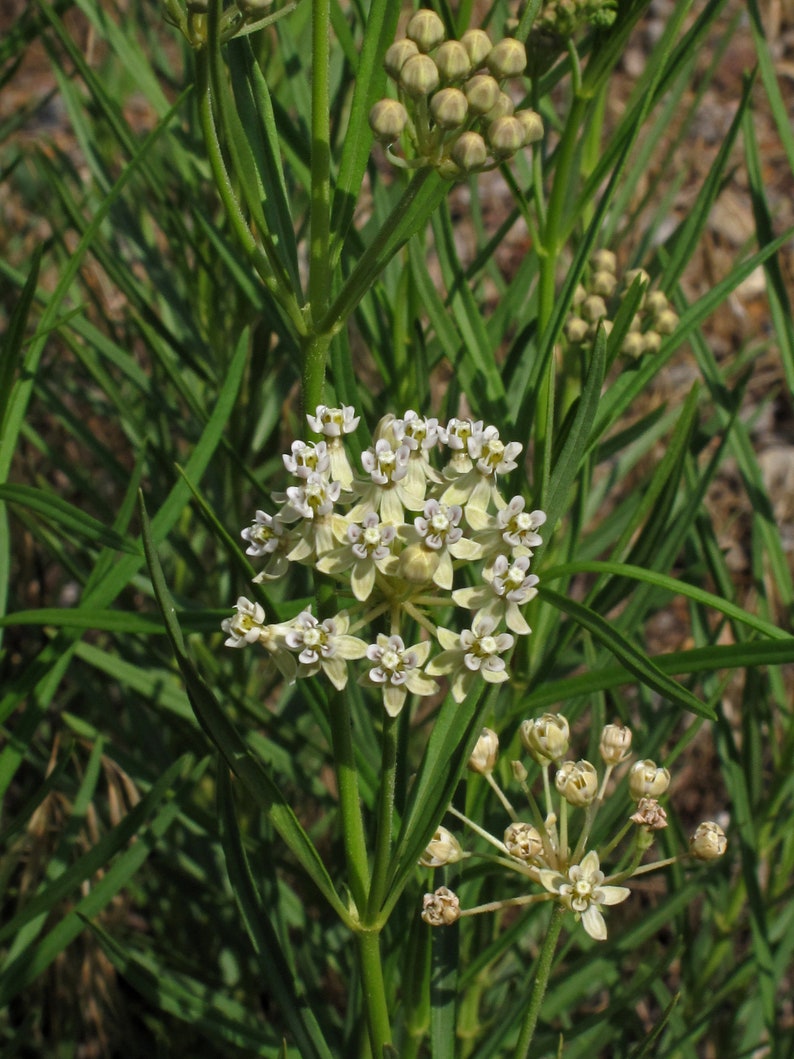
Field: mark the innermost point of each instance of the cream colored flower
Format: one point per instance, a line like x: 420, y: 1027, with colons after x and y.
x: 324, y: 646
x: 508, y: 586
x: 473, y: 652
x: 443, y: 848
x: 245, y: 627
x: 369, y: 548
x: 582, y: 890
x: 396, y: 671
x: 438, y: 531
x: 513, y: 527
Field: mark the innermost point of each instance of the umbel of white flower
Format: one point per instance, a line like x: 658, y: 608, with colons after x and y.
x: 426, y: 503
x: 555, y: 851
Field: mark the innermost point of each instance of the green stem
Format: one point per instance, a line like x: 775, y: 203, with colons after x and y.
x: 545, y: 961
x: 349, y: 802
x: 320, y: 214
x: 377, y: 1011
x: 388, y: 771
x: 373, y: 260
x: 315, y: 363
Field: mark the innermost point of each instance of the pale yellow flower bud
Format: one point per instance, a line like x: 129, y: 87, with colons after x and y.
x: 506, y: 136
x: 443, y: 848
x: 615, y: 743
x: 508, y: 58
x: 604, y: 283
x: 577, y: 782
x: 502, y: 108
x: 604, y: 260
x: 478, y: 44
x: 387, y: 119
x: 708, y: 841
x: 633, y: 345
x: 651, y: 342
x: 441, y: 909
x: 546, y: 737
x: 470, y: 152
x: 486, y: 750
x: 449, y: 108
x: 482, y: 93
x: 532, y: 124
x: 656, y: 302
x: 666, y: 322
x: 419, y: 76
x: 453, y: 61
x: 523, y: 841
x: 647, y: 780
x: 519, y: 771
x: 576, y: 329
x: 397, y: 55
x: 636, y: 273
x: 593, y: 308
x: 426, y: 29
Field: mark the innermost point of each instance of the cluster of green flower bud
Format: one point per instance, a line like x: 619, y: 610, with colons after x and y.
x: 237, y: 20
x: 426, y: 503
x: 543, y: 849
x: 452, y: 109
x: 595, y: 303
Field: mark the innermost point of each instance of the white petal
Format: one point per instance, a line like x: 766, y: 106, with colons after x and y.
x: 593, y: 923
x: 612, y: 895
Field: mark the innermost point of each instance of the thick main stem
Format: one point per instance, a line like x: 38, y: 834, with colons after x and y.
x: 545, y: 961
x: 377, y: 1011
x: 388, y: 772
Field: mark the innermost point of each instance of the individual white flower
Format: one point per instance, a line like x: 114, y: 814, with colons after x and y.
x: 457, y: 435
x: 324, y: 646
x: 577, y: 782
x: 266, y: 537
x: 443, y: 848
x: 438, y: 531
x: 647, y: 780
x: 476, y: 488
x: 313, y: 501
x: 582, y: 890
x: 387, y: 491
x: 471, y: 653
x: 508, y: 586
x: 304, y: 458
x: 396, y: 671
x: 545, y: 737
x: 369, y: 548
x: 334, y: 423
x: 245, y: 627
x: 514, y: 527
x: 615, y: 744
x: 420, y: 434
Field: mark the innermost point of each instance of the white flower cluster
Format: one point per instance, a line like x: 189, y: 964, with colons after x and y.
x: 567, y: 871
x: 393, y: 537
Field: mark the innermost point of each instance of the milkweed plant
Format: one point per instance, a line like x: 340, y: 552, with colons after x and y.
x: 436, y: 791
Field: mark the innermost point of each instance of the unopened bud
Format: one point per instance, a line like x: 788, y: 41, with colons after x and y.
x: 508, y: 58
x: 519, y: 771
x: 604, y: 283
x: 418, y: 563
x: 615, y: 743
x: 443, y: 848
x: 523, y: 841
x: 647, y: 780
x: 441, y: 909
x: 656, y: 302
x: 604, y: 261
x: 486, y: 750
x: 478, y: 44
x: 397, y: 55
x: 637, y: 273
x: 426, y: 29
x: 453, y: 61
x: 482, y: 93
x: 651, y: 342
x: 708, y: 841
x: 449, y: 108
x: 532, y: 124
x: 470, y: 152
x: 503, y: 108
x: 577, y: 782
x: 593, y: 308
x: 545, y: 737
x: 633, y: 345
x: 576, y: 329
x: 666, y: 322
x: 506, y: 136
x: 419, y: 76
x: 387, y: 119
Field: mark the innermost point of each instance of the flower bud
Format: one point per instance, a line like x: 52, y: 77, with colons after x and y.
x: 532, y: 124
x: 651, y: 342
x: 443, y: 848
x: 486, y: 750
x: 615, y: 744
x: 647, y: 780
x: 656, y: 302
x: 523, y: 841
x: 470, y: 152
x: 506, y: 136
x: 477, y: 44
x: 666, y: 322
x: 397, y: 55
x: 508, y: 58
x: 426, y: 29
x: 453, y: 61
x: 604, y: 261
x: 519, y: 771
x: 633, y: 345
x: 577, y: 782
x: 576, y: 329
x: 636, y: 273
x: 502, y: 108
x: 442, y: 908
x: 708, y: 841
x: 387, y: 119
x: 419, y: 76
x: 593, y: 308
x: 418, y: 563
x: 449, y: 108
x: 545, y: 737
x: 482, y: 93
x: 604, y: 283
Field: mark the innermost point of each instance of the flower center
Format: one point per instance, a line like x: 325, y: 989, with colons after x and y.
x: 391, y: 660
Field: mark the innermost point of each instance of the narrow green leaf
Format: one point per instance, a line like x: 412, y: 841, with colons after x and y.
x: 62, y: 513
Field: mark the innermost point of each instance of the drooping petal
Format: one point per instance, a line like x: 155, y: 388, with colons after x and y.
x: 593, y: 923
